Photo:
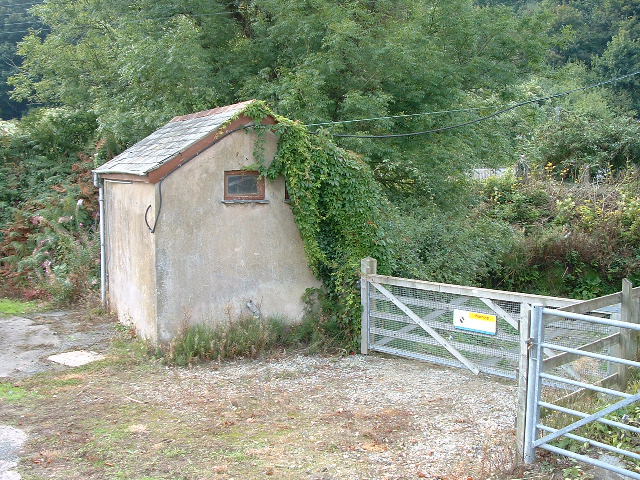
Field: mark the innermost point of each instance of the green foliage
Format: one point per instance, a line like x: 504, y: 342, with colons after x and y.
x: 600, y: 34
x: 519, y: 205
x: 137, y: 64
x: 339, y: 208
x: 15, y: 20
x: 321, y: 328
x: 575, y: 240
x: 38, y: 154
x: 343, y: 216
x: 621, y: 57
x: 599, y: 432
x: 575, y: 472
x: 48, y: 206
x: 459, y: 248
x: 10, y: 306
x: 122, y: 68
x: 580, y: 136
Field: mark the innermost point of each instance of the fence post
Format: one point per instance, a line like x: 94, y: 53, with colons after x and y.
x: 368, y: 266
x: 523, y: 369
x: 533, y: 383
x: 628, y: 338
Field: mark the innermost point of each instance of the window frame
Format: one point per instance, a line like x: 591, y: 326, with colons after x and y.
x: 260, y: 195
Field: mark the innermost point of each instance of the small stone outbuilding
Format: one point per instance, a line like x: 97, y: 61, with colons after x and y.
x: 189, y: 235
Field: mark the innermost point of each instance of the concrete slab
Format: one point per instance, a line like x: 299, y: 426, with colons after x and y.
x: 602, y: 474
x: 26, y: 341
x: 11, y: 441
x: 76, y: 358
x: 22, y: 343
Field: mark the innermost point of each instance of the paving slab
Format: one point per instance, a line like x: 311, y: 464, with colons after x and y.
x: 27, y: 341
x: 76, y: 358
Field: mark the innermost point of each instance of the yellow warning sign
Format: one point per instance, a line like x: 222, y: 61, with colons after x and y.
x: 475, y: 322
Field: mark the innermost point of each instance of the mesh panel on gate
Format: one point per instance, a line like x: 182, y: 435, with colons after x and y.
x: 393, y: 331
x: 576, y: 334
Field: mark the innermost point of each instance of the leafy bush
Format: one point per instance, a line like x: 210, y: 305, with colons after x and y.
x: 518, y: 204
x: 581, y: 242
x: 48, y: 224
x: 581, y: 136
x: 449, y: 247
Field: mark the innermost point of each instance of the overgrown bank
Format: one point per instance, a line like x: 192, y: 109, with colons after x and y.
x: 48, y: 206
x: 577, y: 240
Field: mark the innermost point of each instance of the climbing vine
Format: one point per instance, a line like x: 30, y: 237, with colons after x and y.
x: 338, y: 207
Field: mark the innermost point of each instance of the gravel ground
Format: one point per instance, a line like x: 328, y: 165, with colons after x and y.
x: 11, y: 440
x: 394, y: 418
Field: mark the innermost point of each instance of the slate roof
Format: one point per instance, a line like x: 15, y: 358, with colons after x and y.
x: 170, y: 140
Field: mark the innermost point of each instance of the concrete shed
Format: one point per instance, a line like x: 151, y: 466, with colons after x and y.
x: 190, y: 235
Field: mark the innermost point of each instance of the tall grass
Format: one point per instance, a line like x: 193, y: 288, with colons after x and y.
x: 245, y: 336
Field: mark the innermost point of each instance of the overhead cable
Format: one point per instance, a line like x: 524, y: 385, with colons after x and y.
x: 492, y: 115
x: 439, y: 112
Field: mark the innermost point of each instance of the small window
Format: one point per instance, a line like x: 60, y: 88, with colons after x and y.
x: 243, y: 185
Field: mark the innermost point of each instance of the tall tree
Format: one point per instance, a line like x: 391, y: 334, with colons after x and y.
x: 135, y: 64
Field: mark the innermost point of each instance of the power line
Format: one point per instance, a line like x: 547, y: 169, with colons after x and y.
x: 439, y: 112
x: 492, y: 115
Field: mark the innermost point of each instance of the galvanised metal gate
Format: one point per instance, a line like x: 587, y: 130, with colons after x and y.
x: 475, y: 328
x: 488, y: 331
x: 596, y: 394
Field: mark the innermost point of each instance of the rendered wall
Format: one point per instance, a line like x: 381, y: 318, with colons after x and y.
x: 130, y: 256
x: 212, y: 258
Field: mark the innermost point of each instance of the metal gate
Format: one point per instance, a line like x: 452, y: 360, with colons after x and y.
x: 591, y: 387
x: 475, y: 328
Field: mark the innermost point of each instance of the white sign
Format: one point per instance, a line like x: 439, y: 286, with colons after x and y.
x: 475, y: 322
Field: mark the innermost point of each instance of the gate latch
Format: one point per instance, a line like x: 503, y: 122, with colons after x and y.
x: 529, y: 344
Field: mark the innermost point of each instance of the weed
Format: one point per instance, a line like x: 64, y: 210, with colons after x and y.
x: 600, y: 432
x: 575, y: 472
x: 246, y: 336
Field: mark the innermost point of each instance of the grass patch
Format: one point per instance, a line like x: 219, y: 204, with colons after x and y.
x: 11, y: 393
x: 591, y: 403
x: 249, y: 336
x: 9, y: 306
x: 246, y: 337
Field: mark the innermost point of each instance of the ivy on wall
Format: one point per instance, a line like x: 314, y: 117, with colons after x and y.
x: 338, y: 206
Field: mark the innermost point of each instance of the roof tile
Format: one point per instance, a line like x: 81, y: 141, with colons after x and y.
x: 170, y: 140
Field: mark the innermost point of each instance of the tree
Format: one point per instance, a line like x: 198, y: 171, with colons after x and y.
x: 621, y: 57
